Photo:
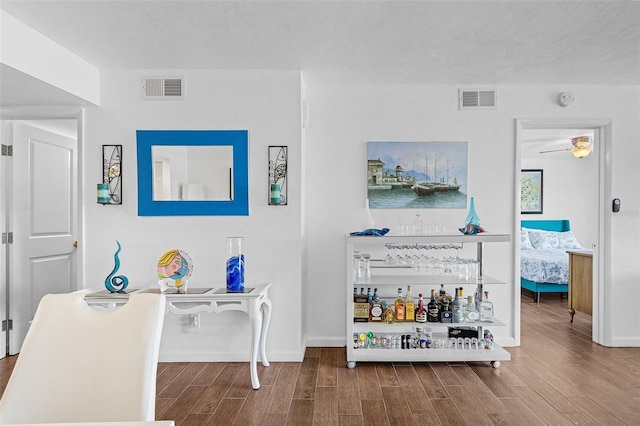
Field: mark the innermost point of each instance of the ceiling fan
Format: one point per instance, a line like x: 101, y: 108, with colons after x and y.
x: 581, y: 147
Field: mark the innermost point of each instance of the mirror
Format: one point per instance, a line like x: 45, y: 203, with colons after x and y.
x: 193, y: 172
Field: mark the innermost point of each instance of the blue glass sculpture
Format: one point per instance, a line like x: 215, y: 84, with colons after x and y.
x: 116, y: 283
x: 472, y: 217
x: 472, y: 222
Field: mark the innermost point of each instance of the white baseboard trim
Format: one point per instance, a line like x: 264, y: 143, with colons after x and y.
x: 623, y: 342
x: 505, y: 342
x: 325, y: 342
x: 182, y: 356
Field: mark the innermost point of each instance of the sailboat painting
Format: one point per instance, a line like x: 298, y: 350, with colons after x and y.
x: 410, y: 175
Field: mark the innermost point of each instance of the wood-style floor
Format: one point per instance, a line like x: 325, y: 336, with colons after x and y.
x: 556, y: 377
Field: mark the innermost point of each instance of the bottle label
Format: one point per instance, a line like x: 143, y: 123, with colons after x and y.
x: 446, y: 316
x: 410, y: 312
x: 400, y: 313
x: 486, y: 313
x: 376, y: 313
x: 432, y: 315
x: 361, y: 312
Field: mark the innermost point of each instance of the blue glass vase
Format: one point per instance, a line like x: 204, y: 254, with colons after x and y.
x: 472, y: 217
x: 235, y: 266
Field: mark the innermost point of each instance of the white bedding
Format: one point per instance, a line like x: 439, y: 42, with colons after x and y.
x: 543, y: 255
x: 545, y: 266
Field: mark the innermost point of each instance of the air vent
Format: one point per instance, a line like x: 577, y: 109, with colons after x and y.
x: 477, y: 99
x: 163, y: 88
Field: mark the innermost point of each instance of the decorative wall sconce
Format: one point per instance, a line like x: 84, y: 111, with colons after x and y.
x: 110, y: 190
x: 278, y: 175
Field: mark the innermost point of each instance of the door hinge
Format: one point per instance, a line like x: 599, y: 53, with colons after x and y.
x: 7, y: 325
x: 7, y: 238
x: 7, y: 150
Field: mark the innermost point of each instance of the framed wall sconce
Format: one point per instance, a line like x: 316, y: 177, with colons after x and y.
x: 278, y: 176
x: 110, y: 190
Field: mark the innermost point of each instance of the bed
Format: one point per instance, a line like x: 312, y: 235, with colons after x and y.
x: 544, y: 262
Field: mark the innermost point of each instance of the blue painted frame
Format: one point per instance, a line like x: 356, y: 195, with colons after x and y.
x: 238, y: 139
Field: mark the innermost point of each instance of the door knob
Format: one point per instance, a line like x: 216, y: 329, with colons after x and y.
x: 75, y: 244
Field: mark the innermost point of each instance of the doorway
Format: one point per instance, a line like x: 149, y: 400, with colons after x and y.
x: 600, y: 129
x: 41, y: 210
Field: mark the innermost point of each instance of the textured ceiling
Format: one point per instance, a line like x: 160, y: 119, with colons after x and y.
x: 356, y: 42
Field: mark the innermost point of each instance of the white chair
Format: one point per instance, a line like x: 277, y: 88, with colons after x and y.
x: 78, y: 364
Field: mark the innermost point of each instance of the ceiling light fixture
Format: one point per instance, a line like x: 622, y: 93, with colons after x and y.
x: 581, y: 146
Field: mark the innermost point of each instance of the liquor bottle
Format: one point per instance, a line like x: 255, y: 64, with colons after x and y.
x: 409, y: 306
x: 456, y: 308
x: 375, y: 311
x: 421, y: 312
x: 442, y: 292
x: 389, y: 313
x: 463, y: 300
x: 399, y: 306
x: 486, y: 309
x: 443, y: 295
x: 471, y: 313
x: 432, y: 308
x: 369, y: 295
x: 360, y: 306
x: 445, y: 314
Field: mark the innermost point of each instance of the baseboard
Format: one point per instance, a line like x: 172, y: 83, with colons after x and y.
x: 182, y: 356
x: 505, y: 342
x: 622, y: 342
x: 326, y: 342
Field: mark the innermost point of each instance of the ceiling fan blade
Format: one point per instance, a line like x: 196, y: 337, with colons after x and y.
x: 555, y: 150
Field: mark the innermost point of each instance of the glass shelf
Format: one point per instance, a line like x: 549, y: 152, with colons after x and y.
x: 403, y: 280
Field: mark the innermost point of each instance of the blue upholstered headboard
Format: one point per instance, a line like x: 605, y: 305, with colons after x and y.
x: 560, y: 225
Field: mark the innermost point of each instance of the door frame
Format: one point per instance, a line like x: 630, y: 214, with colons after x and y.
x: 20, y: 113
x: 602, y: 139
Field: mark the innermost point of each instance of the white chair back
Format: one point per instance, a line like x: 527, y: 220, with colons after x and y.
x: 78, y: 364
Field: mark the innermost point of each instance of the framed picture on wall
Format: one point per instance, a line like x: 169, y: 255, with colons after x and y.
x: 531, y: 191
x: 417, y: 175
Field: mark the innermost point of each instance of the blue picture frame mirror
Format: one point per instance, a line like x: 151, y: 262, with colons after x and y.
x: 193, y: 172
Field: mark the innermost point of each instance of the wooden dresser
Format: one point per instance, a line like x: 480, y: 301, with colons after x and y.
x: 580, y: 281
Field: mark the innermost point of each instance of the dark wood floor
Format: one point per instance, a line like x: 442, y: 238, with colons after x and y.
x: 556, y: 377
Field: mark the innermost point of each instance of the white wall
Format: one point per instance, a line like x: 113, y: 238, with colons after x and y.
x: 570, y: 189
x: 300, y: 247
x: 343, y: 118
x: 267, y: 104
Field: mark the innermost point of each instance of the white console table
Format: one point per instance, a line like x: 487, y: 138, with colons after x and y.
x: 255, y: 302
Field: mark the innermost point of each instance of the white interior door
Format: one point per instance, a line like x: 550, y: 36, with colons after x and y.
x: 43, y: 220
